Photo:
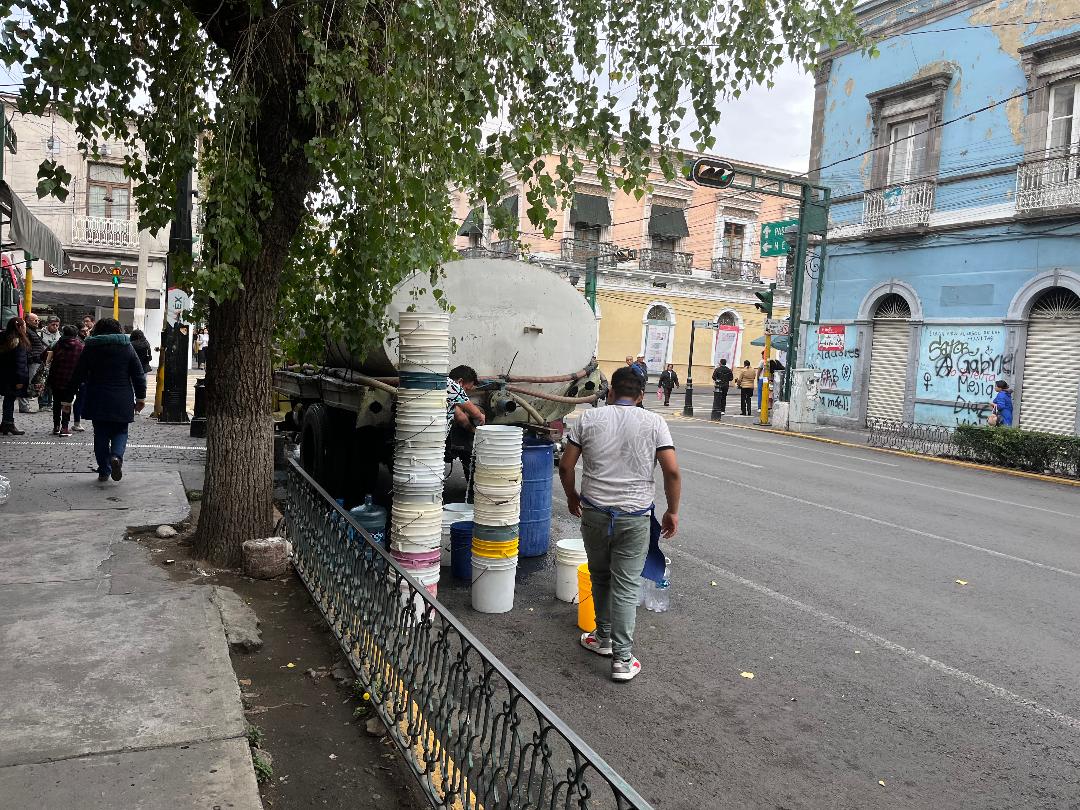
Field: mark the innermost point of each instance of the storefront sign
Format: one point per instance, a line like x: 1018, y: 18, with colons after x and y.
x: 94, y: 270
x: 830, y: 338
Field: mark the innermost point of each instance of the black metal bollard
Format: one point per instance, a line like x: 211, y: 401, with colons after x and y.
x: 198, y: 418
x: 717, y: 413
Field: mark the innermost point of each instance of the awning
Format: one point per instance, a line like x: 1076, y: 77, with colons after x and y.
x: 779, y: 342
x: 510, y: 204
x: 668, y: 223
x: 589, y: 210
x: 473, y: 224
x: 30, y: 233
x: 89, y: 294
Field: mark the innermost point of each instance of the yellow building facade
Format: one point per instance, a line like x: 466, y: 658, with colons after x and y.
x: 681, y: 253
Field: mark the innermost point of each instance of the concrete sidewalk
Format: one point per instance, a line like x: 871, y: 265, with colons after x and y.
x: 116, y: 687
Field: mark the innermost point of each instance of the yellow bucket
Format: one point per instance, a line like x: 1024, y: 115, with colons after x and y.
x: 495, y: 549
x: 586, y: 613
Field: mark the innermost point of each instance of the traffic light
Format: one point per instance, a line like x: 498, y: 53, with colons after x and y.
x: 116, y: 274
x: 713, y: 173
x: 765, y: 300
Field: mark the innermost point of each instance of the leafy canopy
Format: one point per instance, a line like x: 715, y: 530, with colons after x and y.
x: 373, y: 111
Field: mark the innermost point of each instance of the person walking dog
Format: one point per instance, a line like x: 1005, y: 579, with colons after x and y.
x: 619, y: 446
x: 115, y: 392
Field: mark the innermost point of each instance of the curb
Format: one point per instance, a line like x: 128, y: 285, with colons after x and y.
x: 971, y: 465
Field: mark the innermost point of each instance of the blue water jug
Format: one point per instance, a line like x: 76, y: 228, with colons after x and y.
x: 372, y: 517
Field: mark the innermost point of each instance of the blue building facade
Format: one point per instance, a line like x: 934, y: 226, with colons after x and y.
x: 953, y: 156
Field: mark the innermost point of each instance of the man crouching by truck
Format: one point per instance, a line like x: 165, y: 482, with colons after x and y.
x: 462, y: 417
x: 619, y: 446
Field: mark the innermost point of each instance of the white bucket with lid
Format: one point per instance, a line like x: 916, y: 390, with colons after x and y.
x: 569, y: 554
x: 503, y: 513
x: 493, y: 584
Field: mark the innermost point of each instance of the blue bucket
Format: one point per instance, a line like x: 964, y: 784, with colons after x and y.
x: 537, y: 462
x: 461, y: 549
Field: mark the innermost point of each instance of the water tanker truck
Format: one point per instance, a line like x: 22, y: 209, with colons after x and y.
x: 530, y: 336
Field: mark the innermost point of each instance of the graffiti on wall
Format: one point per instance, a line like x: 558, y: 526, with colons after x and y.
x: 958, y: 366
x: 833, y: 353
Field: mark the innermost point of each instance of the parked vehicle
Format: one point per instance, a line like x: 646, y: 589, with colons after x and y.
x: 529, y: 335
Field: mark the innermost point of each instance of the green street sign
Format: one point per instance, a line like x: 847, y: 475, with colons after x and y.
x: 772, y: 237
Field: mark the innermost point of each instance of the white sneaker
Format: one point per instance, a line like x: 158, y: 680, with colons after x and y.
x: 625, y: 670
x: 593, y: 643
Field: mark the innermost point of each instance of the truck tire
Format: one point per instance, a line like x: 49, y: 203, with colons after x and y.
x: 314, y: 439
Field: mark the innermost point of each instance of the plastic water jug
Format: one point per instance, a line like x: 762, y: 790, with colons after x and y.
x: 372, y: 517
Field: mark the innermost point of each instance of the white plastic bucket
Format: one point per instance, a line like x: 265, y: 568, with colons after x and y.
x: 415, y: 545
x: 427, y: 321
x: 498, y: 445
x: 569, y: 554
x: 453, y: 513
x: 493, y: 584
x: 497, y: 516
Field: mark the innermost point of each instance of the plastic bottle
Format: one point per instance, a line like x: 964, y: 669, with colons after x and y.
x: 643, y: 589
x: 661, y: 596
x: 372, y: 518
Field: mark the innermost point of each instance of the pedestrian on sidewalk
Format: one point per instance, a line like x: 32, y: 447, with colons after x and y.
x: 34, y: 362
x: 668, y: 380
x: 722, y: 377
x: 745, y: 380
x: 202, y: 346
x: 619, y: 447
x: 142, y: 348
x: 50, y: 335
x: 115, y: 392
x: 64, y: 358
x: 14, y: 372
x: 1002, y: 405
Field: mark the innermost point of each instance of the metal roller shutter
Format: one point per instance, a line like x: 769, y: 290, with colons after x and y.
x: 888, y: 369
x: 1051, y: 375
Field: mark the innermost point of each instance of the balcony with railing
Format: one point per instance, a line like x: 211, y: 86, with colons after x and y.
x: 104, y: 231
x: 905, y: 205
x: 729, y: 268
x: 581, y: 250
x: 1048, y: 183
x: 654, y: 260
x: 502, y: 249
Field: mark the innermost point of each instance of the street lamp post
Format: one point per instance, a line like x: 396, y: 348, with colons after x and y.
x: 688, y: 403
x: 688, y: 400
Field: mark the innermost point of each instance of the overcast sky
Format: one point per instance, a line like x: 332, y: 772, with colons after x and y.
x: 769, y: 126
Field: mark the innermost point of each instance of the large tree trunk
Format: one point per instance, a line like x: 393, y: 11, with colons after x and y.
x: 238, y: 493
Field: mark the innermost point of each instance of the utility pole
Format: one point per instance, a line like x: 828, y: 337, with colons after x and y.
x: 765, y: 305
x: 28, y: 285
x: 173, y: 368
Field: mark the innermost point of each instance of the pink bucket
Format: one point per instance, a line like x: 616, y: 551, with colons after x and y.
x: 413, y: 562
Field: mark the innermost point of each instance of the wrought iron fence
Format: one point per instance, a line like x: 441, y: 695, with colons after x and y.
x: 581, y: 250
x: 1053, y: 182
x: 732, y: 269
x: 473, y: 734
x: 903, y: 205
x: 911, y: 437
x: 655, y: 260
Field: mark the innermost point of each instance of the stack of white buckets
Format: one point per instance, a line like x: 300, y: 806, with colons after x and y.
x: 419, y: 444
x: 496, y: 515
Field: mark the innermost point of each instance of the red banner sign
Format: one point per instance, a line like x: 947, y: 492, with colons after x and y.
x: 830, y: 338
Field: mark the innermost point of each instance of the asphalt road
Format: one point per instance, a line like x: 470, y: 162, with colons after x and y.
x: 831, y: 574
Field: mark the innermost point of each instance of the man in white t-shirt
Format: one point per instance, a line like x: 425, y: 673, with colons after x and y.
x: 619, y: 446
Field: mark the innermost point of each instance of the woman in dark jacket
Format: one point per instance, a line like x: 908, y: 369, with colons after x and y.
x: 115, y: 391
x: 14, y: 372
x: 142, y: 348
x: 63, y: 361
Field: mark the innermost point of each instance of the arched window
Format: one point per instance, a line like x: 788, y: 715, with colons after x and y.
x: 893, y: 307
x: 727, y: 319
x: 657, y: 336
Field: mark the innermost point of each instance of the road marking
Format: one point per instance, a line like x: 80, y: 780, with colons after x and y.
x: 888, y: 524
x: 785, y: 444
x: 938, y: 666
x: 993, y: 499
x: 89, y: 444
x: 720, y: 458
